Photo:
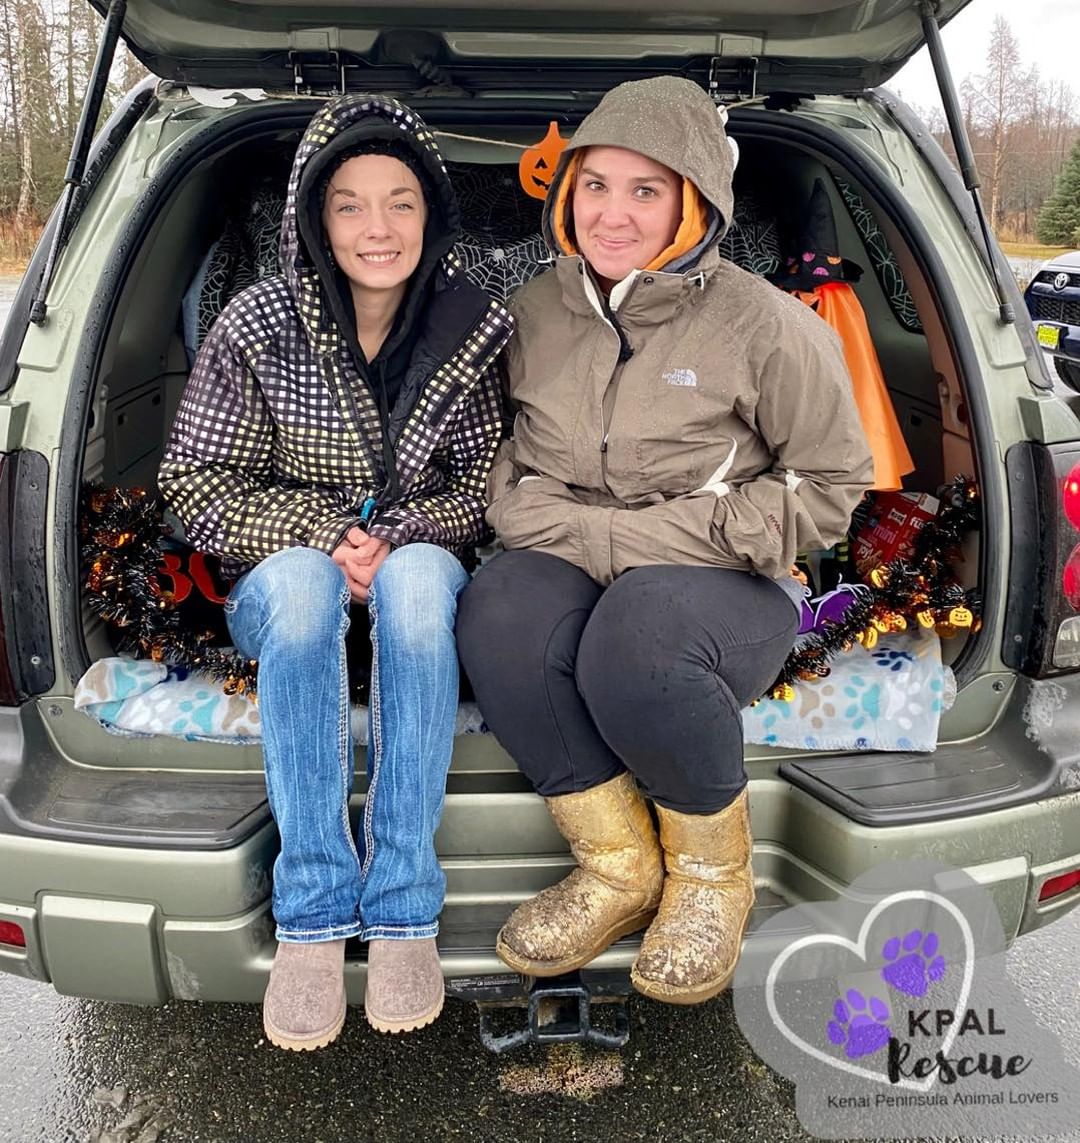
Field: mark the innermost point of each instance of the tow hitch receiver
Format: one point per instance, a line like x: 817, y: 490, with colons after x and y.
x: 557, y: 1009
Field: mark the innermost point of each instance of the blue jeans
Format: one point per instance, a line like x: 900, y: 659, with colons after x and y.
x: 291, y: 612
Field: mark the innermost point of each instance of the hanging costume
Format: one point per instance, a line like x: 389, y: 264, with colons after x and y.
x: 820, y: 278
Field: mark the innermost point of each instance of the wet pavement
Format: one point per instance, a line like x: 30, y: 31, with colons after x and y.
x: 8, y: 285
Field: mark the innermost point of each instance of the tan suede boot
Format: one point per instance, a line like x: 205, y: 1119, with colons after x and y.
x: 304, y: 1005
x: 690, y: 951
x: 404, y: 984
x: 614, y: 891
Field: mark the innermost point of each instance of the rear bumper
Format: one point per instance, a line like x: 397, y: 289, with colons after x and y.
x: 200, y: 929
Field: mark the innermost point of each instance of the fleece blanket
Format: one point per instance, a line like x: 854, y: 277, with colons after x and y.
x: 890, y: 698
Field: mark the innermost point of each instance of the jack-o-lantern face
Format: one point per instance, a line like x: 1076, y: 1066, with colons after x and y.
x: 961, y: 617
x: 536, y: 167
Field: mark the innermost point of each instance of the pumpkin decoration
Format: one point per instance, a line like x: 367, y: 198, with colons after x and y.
x: 961, y: 617
x: 536, y: 167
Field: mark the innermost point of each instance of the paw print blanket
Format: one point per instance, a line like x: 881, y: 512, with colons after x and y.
x: 890, y: 698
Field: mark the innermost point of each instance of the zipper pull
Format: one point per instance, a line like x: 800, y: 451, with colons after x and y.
x: 603, y: 443
x: 367, y: 510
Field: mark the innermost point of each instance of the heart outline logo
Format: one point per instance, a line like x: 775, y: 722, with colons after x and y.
x: 859, y: 948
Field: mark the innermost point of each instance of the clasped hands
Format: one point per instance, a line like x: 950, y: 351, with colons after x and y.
x: 359, y: 556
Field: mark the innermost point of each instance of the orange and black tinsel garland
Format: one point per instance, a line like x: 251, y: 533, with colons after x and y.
x: 120, y: 532
x: 920, y: 591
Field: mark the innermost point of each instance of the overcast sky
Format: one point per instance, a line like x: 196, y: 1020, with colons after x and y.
x: 1048, y: 32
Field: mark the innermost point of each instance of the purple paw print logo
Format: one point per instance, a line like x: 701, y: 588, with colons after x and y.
x: 919, y: 965
x: 859, y: 1025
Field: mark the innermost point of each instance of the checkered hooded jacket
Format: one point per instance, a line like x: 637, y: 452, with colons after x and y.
x: 279, y: 440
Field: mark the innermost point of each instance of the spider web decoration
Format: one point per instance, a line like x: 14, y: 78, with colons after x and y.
x: 500, y: 270
x: 245, y: 253
x: 493, y: 206
x: 752, y: 241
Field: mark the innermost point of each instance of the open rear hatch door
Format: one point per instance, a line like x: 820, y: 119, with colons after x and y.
x: 813, y: 46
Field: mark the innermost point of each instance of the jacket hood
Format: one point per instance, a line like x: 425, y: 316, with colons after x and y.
x: 318, y: 286
x: 667, y: 119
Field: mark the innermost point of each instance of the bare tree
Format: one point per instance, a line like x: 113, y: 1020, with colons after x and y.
x: 994, y: 101
x: 32, y: 62
x: 10, y: 52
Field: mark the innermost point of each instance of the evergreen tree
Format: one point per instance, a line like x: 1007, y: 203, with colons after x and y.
x: 1059, y: 219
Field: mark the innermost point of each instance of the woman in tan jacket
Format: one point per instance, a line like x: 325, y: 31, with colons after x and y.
x: 682, y: 430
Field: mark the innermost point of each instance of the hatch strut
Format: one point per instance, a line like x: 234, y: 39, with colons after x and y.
x: 964, y: 156
x: 80, y: 147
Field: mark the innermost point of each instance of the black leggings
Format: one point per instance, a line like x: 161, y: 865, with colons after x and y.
x: 579, y: 682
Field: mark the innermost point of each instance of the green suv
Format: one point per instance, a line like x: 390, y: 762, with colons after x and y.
x: 137, y: 867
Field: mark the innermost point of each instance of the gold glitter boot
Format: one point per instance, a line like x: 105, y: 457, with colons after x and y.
x: 614, y: 891
x: 690, y: 951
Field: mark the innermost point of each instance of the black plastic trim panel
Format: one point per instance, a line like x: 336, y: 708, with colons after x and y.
x: 24, y: 601
x: 42, y: 794
x: 899, y: 789
x: 1018, y: 762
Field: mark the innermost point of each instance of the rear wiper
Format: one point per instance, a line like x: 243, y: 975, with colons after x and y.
x: 968, y: 170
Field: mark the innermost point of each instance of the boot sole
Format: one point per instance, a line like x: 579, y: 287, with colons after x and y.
x: 688, y: 996
x: 529, y: 967
x: 305, y: 1043
x: 698, y: 994
x: 393, y: 1027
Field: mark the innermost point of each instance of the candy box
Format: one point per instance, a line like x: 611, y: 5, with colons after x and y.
x: 889, y: 532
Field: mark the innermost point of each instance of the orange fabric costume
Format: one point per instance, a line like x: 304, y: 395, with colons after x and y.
x: 837, y: 304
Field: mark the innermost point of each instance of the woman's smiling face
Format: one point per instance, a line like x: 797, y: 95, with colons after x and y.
x: 627, y: 209
x: 374, y: 216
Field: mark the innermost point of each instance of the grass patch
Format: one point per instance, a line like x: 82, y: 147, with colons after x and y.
x: 1031, y: 250
x: 16, y: 245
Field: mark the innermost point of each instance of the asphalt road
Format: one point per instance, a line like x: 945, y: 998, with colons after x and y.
x: 74, y: 1071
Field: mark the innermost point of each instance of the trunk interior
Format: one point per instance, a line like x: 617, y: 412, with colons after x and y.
x: 218, y: 232
x: 210, y: 794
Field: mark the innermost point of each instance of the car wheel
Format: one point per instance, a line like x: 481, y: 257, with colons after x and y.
x: 1069, y: 372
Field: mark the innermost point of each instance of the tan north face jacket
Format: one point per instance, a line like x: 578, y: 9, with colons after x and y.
x: 729, y: 438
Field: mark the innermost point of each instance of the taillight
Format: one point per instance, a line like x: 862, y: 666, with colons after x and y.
x: 1042, y: 620
x: 1055, y: 886
x: 12, y: 934
x: 1070, y: 579
x: 1070, y: 496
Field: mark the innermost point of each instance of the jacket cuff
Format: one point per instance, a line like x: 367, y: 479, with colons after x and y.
x: 391, y: 529
x: 329, y: 534
x: 592, y: 526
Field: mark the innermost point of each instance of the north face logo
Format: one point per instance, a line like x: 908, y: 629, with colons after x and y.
x: 685, y: 377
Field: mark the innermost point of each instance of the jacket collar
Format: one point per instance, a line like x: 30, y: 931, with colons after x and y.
x: 644, y: 298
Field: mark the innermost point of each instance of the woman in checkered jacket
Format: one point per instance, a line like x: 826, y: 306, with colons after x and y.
x: 333, y: 445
